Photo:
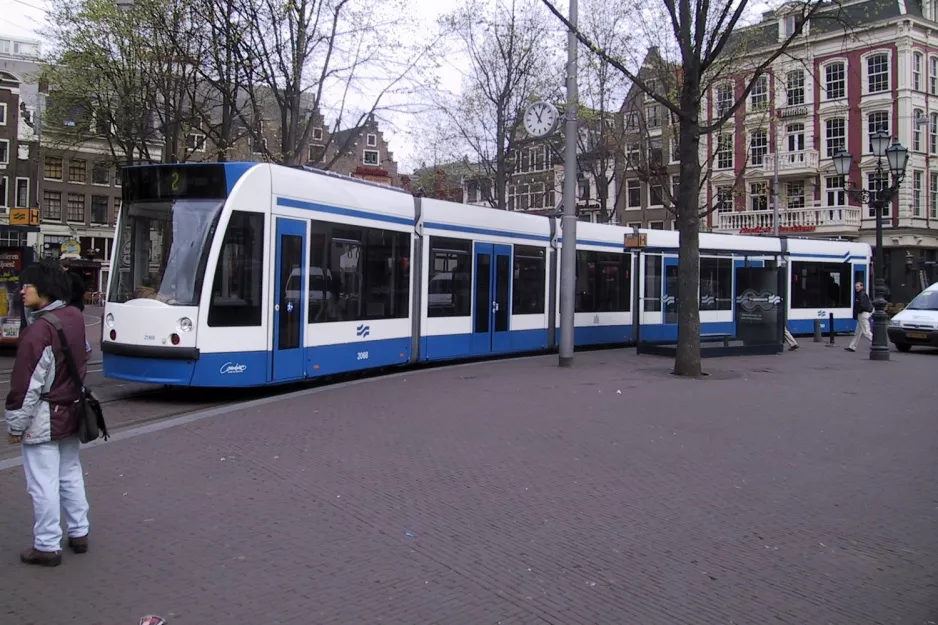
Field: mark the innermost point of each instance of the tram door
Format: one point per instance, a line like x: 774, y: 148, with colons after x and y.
x: 491, y: 299
x: 670, y: 304
x: 290, y: 300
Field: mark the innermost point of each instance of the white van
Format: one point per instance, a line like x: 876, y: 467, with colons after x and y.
x: 917, y: 324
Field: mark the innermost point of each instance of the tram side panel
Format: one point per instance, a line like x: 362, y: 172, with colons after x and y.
x: 821, y: 276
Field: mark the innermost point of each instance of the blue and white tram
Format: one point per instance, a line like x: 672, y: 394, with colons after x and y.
x: 247, y: 274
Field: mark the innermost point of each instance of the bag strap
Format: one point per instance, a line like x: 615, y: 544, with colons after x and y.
x: 76, y: 376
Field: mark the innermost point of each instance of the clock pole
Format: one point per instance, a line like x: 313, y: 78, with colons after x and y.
x: 568, y: 224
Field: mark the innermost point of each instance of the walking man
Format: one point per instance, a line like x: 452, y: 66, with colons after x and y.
x: 864, y: 308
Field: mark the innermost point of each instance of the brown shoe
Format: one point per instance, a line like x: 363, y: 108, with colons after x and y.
x: 78, y: 544
x: 42, y: 558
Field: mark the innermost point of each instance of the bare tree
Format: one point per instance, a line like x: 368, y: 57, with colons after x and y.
x: 310, y: 52
x: 511, y: 66
x: 708, y: 44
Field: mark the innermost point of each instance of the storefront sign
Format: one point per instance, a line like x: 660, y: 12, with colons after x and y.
x: 783, y: 229
x: 11, y: 263
x: 71, y: 247
x: 24, y: 217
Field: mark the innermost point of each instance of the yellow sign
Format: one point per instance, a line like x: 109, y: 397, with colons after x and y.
x: 633, y: 240
x: 24, y: 217
x: 19, y: 217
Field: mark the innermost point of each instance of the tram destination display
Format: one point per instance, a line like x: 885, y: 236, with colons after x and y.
x: 174, y: 182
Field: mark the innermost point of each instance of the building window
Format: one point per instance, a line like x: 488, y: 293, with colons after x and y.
x: 21, y: 199
x: 633, y: 155
x: 529, y: 280
x: 52, y: 205
x: 758, y: 196
x: 52, y: 169
x: 4, y: 181
x: 716, y: 284
x: 933, y: 75
x: 795, y: 194
x: 724, y: 151
x: 655, y: 194
x: 724, y: 99
x: 4, y: 151
x: 675, y: 189
x: 758, y: 146
x: 877, y: 72
x: 917, y: 117
x: 195, y: 142
x: 75, y: 209
x: 759, y: 95
x: 317, y: 134
x: 933, y: 195
x: 724, y: 199
x: 237, y: 289
x: 918, y: 182
x: 836, y: 196
x: 795, y: 87
x: 258, y: 145
x: 372, y: 140
x: 656, y: 225
x: 836, y: 135
x: 835, y: 81
x: 652, y: 117
x: 917, y: 71
x: 631, y: 121
x: 370, y: 157
x: 99, y: 209
x: 76, y: 171
x: 450, y: 285
x: 795, y: 134
x: 878, y: 120
x: 100, y: 174
x: 875, y: 184
x: 933, y: 134
x: 633, y: 194
x: 3, y: 114
x: 821, y: 285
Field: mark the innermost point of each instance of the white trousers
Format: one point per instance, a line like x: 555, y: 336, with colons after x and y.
x: 790, y: 339
x: 863, y: 329
x: 54, y: 480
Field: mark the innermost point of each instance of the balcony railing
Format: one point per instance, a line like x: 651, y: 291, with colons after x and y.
x: 790, y: 161
x: 823, y: 219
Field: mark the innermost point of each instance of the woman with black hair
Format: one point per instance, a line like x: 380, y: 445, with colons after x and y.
x: 42, y: 416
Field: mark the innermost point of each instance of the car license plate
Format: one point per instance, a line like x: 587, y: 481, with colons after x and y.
x: 917, y: 335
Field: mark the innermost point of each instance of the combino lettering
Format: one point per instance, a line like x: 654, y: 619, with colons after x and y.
x: 232, y: 367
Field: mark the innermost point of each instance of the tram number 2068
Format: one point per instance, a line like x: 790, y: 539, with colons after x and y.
x: 363, y: 355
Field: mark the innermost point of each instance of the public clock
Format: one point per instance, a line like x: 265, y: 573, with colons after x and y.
x: 540, y: 119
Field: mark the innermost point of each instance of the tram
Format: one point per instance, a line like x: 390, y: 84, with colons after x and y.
x: 253, y: 274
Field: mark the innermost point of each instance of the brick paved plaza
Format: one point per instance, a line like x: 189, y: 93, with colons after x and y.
x: 798, y: 488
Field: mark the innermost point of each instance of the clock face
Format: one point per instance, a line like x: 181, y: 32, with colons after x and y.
x: 540, y: 119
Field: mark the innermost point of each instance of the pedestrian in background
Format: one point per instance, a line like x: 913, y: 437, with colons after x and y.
x: 42, y: 416
x: 792, y: 343
x: 863, y: 308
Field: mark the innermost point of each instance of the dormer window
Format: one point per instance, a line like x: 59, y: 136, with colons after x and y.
x: 788, y: 24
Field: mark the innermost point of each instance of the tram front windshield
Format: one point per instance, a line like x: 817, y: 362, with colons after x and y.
x: 162, y: 247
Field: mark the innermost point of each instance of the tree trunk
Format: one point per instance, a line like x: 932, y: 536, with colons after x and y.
x: 687, y: 359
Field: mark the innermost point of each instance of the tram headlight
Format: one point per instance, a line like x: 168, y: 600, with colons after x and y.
x: 185, y: 324
x: 109, y: 320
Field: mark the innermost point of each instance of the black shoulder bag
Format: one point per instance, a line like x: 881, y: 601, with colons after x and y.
x: 91, y: 424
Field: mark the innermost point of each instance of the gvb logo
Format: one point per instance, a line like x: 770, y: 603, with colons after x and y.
x: 752, y: 301
x: 362, y: 331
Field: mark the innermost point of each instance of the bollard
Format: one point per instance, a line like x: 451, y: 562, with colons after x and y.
x: 818, y: 337
x: 832, y: 329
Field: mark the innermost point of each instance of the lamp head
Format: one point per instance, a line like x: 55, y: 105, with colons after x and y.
x: 879, y: 141
x: 898, y: 156
x: 843, y: 161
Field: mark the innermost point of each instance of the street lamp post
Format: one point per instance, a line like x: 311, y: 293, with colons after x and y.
x: 897, y: 156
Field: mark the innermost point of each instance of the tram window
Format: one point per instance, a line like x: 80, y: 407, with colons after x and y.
x: 528, y: 284
x: 239, y: 275
x: 358, y: 273
x: 603, y: 281
x: 450, y: 286
x: 821, y: 285
x: 652, y: 284
x: 716, y: 284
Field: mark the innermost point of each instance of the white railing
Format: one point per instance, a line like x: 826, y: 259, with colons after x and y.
x: 791, y: 221
x: 803, y: 159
